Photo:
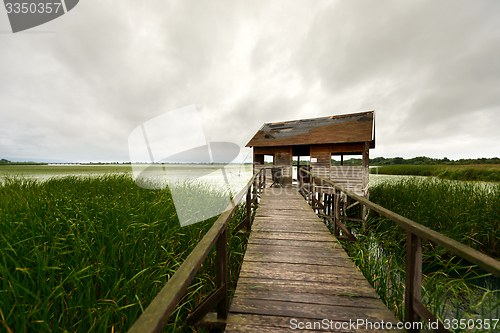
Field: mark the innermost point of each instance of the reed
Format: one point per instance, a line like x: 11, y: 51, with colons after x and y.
x: 489, y: 173
x: 90, y: 253
x: 464, y: 211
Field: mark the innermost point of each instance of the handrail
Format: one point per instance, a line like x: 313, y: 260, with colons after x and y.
x: 414, y: 309
x: 474, y: 256
x: 156, y: 314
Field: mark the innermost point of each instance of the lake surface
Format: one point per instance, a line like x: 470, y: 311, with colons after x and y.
x: 235, y: 172
x: 233, y: 175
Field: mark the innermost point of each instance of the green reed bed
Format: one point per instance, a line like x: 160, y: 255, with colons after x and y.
x: 464, y: 211
x: 489, y: 173
x: 89, y: 254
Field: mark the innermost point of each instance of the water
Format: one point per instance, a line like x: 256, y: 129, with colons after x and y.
x: 235, y: 178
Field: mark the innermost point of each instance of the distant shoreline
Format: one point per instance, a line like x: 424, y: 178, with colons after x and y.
x: 477, y: 172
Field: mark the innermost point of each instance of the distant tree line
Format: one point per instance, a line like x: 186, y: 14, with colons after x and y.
x: 423, y: 160
x: 420, y: 160
x: 7, y: 162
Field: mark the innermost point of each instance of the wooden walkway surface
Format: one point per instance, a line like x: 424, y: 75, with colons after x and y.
x: 294, y: 272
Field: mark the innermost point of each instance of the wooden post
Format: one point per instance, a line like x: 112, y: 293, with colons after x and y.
x: 298, y: 169
x: 366, y: 171
x: 249, y: 209
x: 366, y: 154
x: 264, y: 178
x: 300, y: 178
x: 413, y: 289
x: 261, y: 180
x: 313, y: 193
x: 336, y: 208
x: 327, y: 204
x: 330, y: 202
x: 254, y: 190
x: 221, y: 247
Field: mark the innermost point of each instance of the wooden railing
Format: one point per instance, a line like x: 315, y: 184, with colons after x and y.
x: 414, y: 309
x: 157, y: 313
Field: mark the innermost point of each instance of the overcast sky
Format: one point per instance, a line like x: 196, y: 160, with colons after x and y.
x: 75, y: 88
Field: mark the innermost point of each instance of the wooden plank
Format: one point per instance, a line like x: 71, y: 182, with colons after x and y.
x: 272, y: 329
x: 335, y: 275
x: 308, y: 298
x: 286, y: 227
x: 290, y: 217
x: 289, y: 228
x: 266, y: 323
x: 286, y: 242
x: 318, y: 252
x: 289, y: 221
x: 353, y: 288
x: 303, y: 259
x: 285, y: 235
x: 294, y: 269
x: 312, y: 311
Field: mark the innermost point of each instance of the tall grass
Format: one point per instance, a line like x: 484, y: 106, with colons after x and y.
x: 89, y: 254
x: 405, y: 169
x: 464, y: 211
x: 453, y: 172
x: 452, y: 288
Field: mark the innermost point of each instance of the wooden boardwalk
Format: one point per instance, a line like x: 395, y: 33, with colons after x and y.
x: 295, y: 273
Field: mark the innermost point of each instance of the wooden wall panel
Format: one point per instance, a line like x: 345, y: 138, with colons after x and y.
x: 321, y: 166
x: 283, y: 158
x: 347, y: 147
x: 264, y: 150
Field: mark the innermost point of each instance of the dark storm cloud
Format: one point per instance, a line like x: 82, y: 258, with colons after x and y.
x: 430, y: 69
x: 438, y: 61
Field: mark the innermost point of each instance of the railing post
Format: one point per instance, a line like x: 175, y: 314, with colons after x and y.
x: 249, y: 209
x: 336, y: 208
x: 221, y: 247
x: 300, y: 177
x: 254, y: 190
x: 260, y: 182
x: 312, y: 192
x: 413, y: 289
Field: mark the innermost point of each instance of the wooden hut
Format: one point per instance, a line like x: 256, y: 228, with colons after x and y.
x: 320, y: 139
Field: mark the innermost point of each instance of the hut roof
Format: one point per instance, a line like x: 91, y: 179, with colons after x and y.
x: 356, y: 127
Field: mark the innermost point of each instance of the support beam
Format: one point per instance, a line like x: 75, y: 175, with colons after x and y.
x: 221, y: 246
x: 413, y: 288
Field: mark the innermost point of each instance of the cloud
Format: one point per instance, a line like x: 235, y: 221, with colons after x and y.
x: 75, y: 90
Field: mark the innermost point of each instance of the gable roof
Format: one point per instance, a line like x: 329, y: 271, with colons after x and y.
x: 356, y: 127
